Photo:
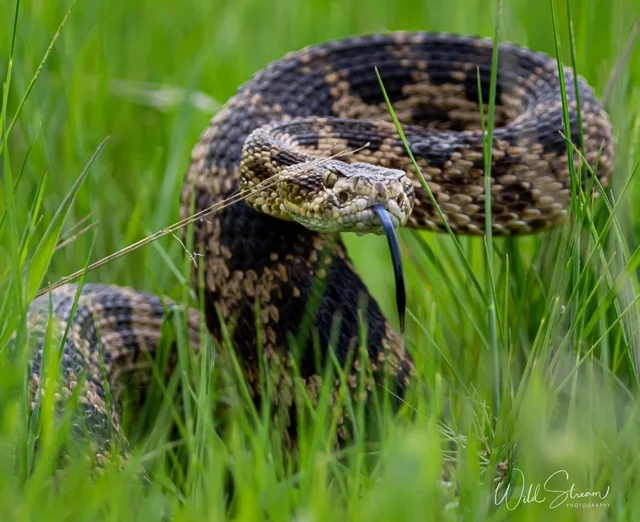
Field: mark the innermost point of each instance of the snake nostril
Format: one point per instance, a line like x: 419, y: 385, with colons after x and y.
x: 343, y: 197
x: 400, y: 199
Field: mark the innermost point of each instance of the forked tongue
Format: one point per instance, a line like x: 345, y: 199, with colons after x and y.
x: 394, y: 247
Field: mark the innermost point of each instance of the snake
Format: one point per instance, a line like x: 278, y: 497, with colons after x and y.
x: 311, y: 146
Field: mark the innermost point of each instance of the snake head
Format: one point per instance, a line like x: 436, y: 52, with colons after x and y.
x: 334, y: 196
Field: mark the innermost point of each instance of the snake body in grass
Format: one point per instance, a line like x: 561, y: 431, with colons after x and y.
x: 310, y: 139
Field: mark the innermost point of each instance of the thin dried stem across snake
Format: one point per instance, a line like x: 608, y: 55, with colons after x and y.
x: 236, y: 197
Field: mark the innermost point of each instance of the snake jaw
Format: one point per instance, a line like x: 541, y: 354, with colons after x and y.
x: 339, y: 197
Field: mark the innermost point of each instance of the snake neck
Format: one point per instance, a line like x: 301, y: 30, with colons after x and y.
x: 265, y: 159
x: 303, y: 285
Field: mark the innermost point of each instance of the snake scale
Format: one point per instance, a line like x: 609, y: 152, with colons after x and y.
x: 311, y: 139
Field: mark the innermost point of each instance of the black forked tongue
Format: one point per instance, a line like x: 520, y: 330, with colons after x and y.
x: 394, y: 247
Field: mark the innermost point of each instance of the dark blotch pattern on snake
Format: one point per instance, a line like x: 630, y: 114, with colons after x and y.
x: 278, y: 136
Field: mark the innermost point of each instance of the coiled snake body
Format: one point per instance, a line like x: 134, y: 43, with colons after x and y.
x: 278, y: 138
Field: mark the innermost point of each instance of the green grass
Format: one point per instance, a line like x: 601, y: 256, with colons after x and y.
x: 547, y: 381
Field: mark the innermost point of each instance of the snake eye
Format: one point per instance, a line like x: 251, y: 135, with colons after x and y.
x: 329, y: 179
